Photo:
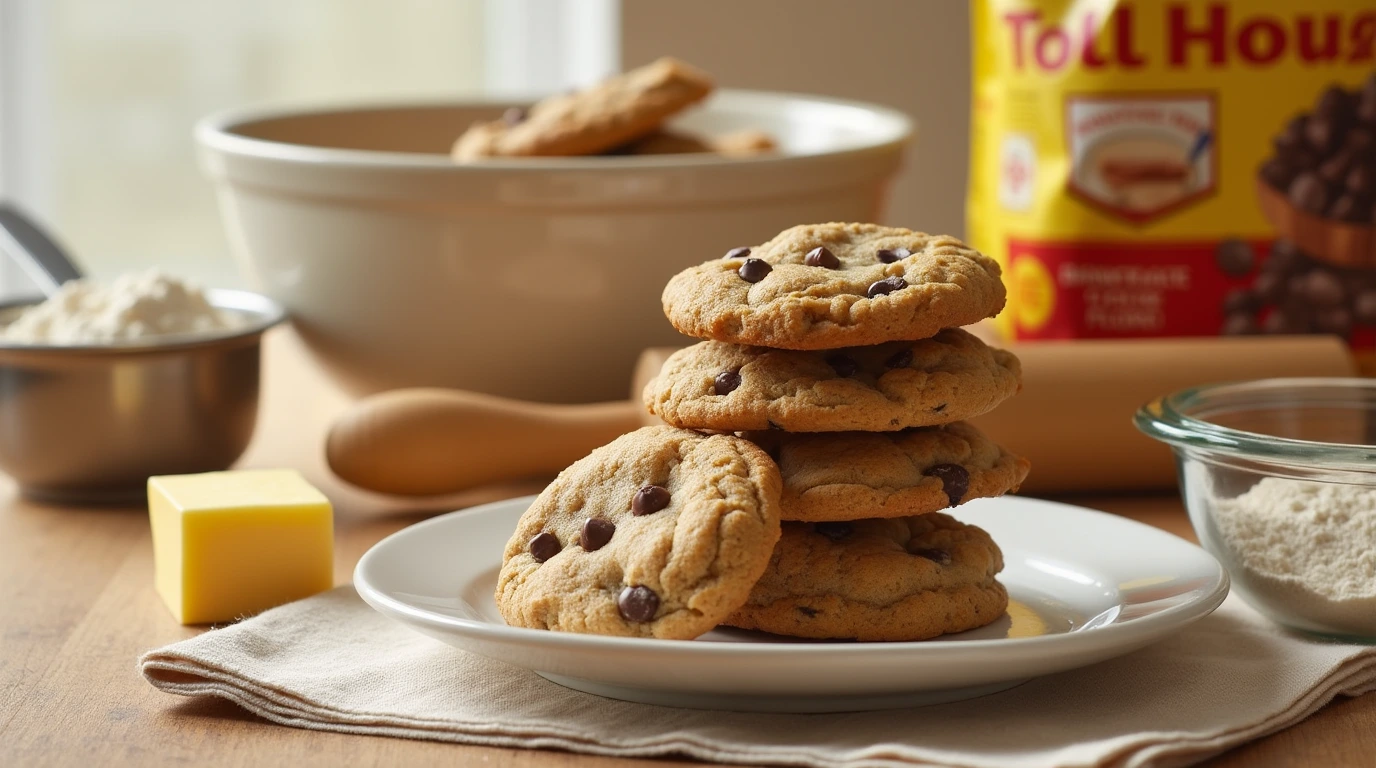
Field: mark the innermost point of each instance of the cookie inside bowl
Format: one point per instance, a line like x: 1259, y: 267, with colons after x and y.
x: 404, y: 268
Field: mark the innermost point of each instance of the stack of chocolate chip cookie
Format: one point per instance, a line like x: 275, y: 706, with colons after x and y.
x: 812, y: 440
x: 837, y: 349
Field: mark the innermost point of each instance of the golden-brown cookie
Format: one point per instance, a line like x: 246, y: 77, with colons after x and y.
x: 591, y: 121
x: 909, y: 578
x: 660, y: 533
x: 885, y: 387
x: 825, y: 286
x: 851, y: 475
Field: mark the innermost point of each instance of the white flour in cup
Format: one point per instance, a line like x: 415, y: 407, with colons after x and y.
x: 131, y: 308
x: 1309, y: 548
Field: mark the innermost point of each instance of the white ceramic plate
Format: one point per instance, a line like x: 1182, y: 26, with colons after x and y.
x: 1085, y: 586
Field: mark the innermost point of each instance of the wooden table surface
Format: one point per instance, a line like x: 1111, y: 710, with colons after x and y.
x: 77, y: 607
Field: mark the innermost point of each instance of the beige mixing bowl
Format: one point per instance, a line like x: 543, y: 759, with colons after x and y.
x: 529, y: 278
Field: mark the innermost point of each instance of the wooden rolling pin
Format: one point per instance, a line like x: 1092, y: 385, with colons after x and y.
x: 1073, y: 418
x: 424, y: 442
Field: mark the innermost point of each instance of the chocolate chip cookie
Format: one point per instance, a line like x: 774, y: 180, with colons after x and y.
x: 890, y: 386
x: 849, y: 475
x: 825, y: 286
x: 907, y: 578
x: 591, y: 121
x: 660, y: 533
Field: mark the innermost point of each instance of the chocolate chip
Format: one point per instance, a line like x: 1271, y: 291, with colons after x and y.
x: 1309, y: 193
x: 890, y: 255
x: 821, y: 257
x: 1364, y: 307
x: 1270, y: 286
x: 1334, y: 320
x: 939, y: 408
x: 900, y: 359
x: 938, y: 556
x: 737, y: 253
x: 1235, y: 257
x: 886, y: 286
x: 1284, y: 257
x: 1279, y: 172
x: 955, y: 480
x: 596, y: 533
x: 1334, y: 169
x: 1302, y: 159
x: 726, y: 382
x: 754, y: 270
x: 1240, y: 324
x: 649, y: 500
x: 1323, y: 288
x: 811, y: 613
x: 833, y: 531
x: 1241, y: 300
x: 1360, y: 180
x: 1294, y: 289
x: 844, y: 366
x: 1366, y: 110
x: 1324, y: 133
x: 1352, y: 209
x: 544, y: 546
x: 1291, y: 138
x: 1286, y: 321
x: 1334, y: 102
x: 637, y: 604
x: 1360, y: 141
x: 514, y: 115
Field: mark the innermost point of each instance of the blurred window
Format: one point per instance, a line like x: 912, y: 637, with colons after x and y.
x: 98, y: 98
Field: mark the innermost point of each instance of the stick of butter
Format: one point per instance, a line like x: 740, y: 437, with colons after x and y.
x: 230, y: 544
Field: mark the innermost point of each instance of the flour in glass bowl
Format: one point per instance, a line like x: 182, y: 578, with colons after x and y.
x: 1308, y: 546
x: 131, y: 308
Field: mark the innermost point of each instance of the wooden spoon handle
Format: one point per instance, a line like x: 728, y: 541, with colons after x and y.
x: 421, y: 442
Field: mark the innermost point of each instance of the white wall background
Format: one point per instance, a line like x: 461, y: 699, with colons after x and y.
x: 909, y: 54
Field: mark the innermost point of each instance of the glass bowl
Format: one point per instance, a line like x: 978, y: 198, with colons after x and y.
x: 1279, y: 477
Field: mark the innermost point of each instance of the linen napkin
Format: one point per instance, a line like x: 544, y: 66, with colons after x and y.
x: 332, y: 663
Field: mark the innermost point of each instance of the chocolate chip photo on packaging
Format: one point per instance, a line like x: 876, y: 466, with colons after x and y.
x: 1293, y: 292
x: 1319, y: 186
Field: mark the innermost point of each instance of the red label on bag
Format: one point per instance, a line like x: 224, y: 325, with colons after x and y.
x: 1116, y: 290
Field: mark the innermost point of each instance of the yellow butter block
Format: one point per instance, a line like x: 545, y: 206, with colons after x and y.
x: 229, y: 544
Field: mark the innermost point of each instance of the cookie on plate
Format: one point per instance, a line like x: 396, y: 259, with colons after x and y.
x: 591, y: 121
x: 825, y: 286
x: 660, y: 533
x: 850, y: 475
x: 907, y: 578
x: 890, y: 386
